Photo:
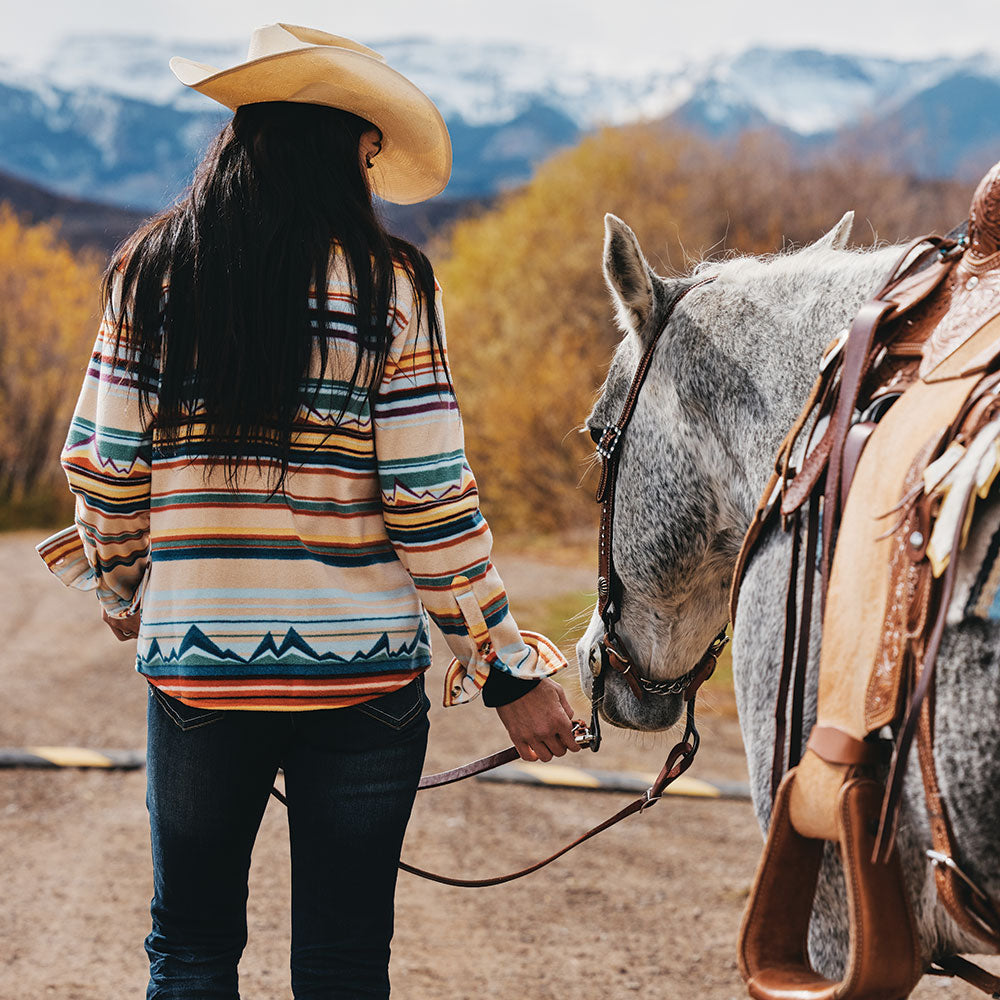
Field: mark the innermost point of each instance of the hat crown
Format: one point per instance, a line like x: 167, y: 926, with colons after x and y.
x: 272, y: 39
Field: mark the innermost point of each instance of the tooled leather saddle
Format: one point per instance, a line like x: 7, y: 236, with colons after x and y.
x: 899, y: 439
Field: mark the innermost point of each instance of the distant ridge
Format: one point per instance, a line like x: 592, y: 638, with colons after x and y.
x: 102, y: 118
x: 100, y: 226
x: 82, y: 223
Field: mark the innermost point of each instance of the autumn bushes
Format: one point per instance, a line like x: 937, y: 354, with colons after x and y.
x: 529, y: 320
x: 49, y: 303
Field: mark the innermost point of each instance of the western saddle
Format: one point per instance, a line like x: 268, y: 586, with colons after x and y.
x: 900, y: 437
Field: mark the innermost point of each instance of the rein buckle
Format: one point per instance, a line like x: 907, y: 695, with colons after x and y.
x: 582, y: 734
x: 650, y: 800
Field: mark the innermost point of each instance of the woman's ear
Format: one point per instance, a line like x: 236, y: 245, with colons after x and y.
x: 369, y: 146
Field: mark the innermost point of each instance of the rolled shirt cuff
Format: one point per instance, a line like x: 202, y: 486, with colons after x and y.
x: 543, y: 658
x: 66, y: 558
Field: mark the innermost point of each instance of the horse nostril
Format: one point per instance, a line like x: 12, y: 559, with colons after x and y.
x: 595, y: 661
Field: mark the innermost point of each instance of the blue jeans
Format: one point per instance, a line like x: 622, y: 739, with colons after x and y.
x: 350, y: 778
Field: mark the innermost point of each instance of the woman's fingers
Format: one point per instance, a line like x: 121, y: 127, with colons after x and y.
x: 541, y: 722
x: 564, y: 701
x: 566, y: 734
x: 560, y: 736
x: 555, y: 739
x: 123, y: 628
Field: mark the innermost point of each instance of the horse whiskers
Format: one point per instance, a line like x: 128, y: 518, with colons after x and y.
x: 588, y: 465
x: 579, y: 617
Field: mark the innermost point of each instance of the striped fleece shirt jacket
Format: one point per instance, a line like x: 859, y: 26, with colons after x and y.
x: 315, y: 598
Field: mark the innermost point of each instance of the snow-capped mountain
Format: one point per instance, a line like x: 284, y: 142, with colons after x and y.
x: 103, y: 117
x: 483, y: 83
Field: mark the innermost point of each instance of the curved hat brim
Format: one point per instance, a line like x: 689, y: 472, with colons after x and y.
x: 415, y: 161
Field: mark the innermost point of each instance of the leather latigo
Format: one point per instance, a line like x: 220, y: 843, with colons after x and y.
x: 906, y: 429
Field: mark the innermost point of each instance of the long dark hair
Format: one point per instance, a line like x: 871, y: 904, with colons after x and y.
x: 215, y: 290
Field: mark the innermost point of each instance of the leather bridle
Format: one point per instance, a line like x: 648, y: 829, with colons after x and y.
x: 610, y: 590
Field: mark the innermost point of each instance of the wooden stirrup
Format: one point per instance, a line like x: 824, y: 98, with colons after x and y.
x: 883, y: 962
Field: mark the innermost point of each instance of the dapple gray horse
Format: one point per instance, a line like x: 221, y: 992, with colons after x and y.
x: 728, y: 378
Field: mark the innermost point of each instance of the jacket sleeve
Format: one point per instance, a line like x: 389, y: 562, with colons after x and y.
x: 107, y: 458
x: 430, y: 505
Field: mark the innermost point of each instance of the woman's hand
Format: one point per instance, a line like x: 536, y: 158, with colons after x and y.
x: 540, y: 723
x: 123, y: 628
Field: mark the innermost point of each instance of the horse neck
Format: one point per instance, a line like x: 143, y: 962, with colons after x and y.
x: 775, y: 347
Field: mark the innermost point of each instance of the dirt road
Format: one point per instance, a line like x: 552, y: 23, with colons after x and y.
x: 647, y: 910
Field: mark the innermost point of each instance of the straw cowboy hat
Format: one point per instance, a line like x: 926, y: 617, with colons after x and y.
x: 290, y: 63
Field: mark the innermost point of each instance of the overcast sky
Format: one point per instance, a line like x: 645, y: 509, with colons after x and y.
x: 612, y: 29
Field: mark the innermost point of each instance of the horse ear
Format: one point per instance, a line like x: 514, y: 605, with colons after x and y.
x: 837, y: 238
x: 628, y: 275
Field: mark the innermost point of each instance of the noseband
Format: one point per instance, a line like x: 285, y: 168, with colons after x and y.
x: 610, y: 589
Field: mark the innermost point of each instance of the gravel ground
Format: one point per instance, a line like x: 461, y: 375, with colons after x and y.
x: 649, y: 909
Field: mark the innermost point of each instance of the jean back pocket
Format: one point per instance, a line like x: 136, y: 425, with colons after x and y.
x: 184, y: 716
x: 400, y: 707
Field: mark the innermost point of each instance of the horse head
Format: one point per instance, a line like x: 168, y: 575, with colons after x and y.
x: 694, y: 458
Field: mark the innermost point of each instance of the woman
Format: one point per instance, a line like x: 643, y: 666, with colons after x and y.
x: 270, y: 480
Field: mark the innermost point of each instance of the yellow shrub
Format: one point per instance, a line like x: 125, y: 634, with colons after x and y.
x: 49, y: 302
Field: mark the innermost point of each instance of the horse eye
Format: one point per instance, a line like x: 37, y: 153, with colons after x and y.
x: 596, y: 433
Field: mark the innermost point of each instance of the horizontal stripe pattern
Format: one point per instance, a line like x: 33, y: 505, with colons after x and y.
x: 315, y: 598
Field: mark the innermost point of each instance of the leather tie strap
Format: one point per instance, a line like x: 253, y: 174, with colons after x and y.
x: 900, y: 293
x: 857, y: 357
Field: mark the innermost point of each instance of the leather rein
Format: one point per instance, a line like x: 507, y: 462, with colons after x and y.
x: 610, y: 591
x: 671, y: 770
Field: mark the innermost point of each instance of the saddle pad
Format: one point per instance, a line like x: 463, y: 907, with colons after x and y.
x: 977, y: 589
